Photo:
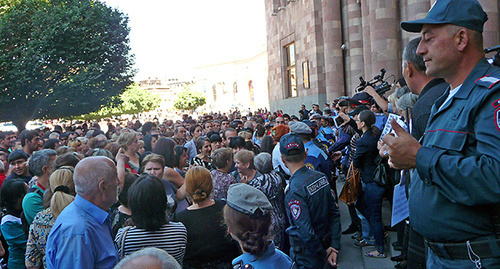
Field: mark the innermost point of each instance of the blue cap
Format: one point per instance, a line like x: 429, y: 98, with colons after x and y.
x: 465, y: 13
x: 291, y: 144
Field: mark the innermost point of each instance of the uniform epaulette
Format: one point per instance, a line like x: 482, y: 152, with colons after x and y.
x: 488, y: 81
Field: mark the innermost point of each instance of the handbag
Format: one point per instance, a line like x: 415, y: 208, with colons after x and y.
x: 352, y: 186
x: 384, y: 175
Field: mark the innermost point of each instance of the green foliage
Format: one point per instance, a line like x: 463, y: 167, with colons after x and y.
x: 189, y: 100
x: 132, y: 101
x: 60, y: 58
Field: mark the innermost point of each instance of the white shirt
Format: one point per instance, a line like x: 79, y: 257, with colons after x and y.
x: 277, y: 159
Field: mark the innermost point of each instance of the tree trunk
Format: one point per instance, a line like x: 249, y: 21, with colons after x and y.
x: 20, y: 124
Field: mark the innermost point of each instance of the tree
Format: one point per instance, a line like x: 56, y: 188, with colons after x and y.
x: 190, y: 100
x: 132, y: 101
x: 60, y: 58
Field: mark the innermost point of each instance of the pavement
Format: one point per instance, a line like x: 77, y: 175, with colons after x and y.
x: 352, y: 257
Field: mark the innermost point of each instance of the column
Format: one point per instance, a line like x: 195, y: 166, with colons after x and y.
x: 332, y: 38
x: 355, y: 44
x: 384, y: 29
x: 491, y: 28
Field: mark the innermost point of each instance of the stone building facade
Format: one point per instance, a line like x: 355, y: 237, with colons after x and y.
x: 239, y: 84
x: 318, y: 49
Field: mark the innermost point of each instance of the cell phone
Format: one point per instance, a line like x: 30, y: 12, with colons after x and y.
x: 338, y: 121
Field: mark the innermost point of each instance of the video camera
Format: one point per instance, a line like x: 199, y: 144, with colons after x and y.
x: 496, y: 58
x: 378, y: 83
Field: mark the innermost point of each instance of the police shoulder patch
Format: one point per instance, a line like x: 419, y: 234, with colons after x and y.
x: 310, y: 166
x: 294, y: 208
x: 317, y: 185
x: 488, y: 81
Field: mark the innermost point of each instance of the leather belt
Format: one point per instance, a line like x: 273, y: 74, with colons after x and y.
x: 486, y: 247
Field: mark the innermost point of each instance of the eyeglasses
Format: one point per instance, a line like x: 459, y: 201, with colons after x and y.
x: 280, y: 122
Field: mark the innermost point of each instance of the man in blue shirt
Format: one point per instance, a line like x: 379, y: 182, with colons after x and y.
x: 82, y: 236
x: 453, y: 195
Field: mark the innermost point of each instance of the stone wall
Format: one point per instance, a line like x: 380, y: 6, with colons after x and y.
x: 343, y: 40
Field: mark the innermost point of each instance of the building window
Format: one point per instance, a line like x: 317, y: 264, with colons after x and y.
x: 214, y: 90
x: 291, y: 74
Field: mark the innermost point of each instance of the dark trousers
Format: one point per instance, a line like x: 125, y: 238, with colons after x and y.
x: 416, y: 250
x: 354, y: 217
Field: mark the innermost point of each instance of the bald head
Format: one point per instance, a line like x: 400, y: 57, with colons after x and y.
x: 148, y: 258
x: 90, y: 171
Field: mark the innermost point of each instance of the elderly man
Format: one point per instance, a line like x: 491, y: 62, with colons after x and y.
x: 41, y: 164
x: 152, y: 258
x: 454, y: 192
x: 81, y: 236
x: 180, y: 134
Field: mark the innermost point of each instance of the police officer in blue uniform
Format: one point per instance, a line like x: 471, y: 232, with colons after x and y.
x: 454, y: 197
x: 316, y: 159
x: 251, y: 228
x: 326, y: 132
x: 314, y: 216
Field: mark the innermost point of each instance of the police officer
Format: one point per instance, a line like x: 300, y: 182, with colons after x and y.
x: 325, y: 132
x: 313, y: 215
x: 316, y: 159
x: 247, y: 215
x: 454, y: 193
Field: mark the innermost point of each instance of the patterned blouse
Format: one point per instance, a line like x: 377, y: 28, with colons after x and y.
x: 197, y: 161
x: 39, y: 232
x: 273, y: 186
x: 221, y: 182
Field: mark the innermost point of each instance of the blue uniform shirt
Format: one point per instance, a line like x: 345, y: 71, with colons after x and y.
x: 317, y: 159
x: 314, y: 218
x: 326, y: 134
x: 456, y: 178
x: 81, y: 238
x: 271, y: 258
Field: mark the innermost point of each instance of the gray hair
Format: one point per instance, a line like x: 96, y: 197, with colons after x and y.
x: 398, y: 93
x: 407, y: 101
x: 88, y: 173
x: 220, y: 157
x: 263, y: 163
x: 54, y: 135
x: 39, y: 159
x: 410, y: 55
x: 165, y: 260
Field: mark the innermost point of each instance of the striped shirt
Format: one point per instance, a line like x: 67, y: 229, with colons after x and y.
x: 172, y: 237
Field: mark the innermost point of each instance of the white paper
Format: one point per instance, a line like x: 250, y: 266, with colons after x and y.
x: 388, y: 127
x: 400, y: 210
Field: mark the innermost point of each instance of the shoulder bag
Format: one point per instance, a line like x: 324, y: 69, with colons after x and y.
x: 352, y: 186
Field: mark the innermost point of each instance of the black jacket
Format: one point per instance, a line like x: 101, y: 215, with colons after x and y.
x: 366, y: 152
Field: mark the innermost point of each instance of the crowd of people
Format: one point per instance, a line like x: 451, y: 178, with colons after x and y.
x: 259, y: 189
x: 172, y: 181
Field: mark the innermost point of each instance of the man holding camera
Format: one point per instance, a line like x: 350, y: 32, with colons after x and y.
x: 454, y: 193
